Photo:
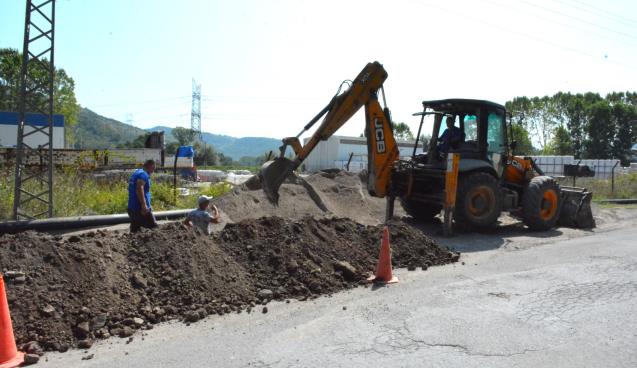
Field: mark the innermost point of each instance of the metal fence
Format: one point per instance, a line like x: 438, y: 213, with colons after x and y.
x: 554, y: 165
x: 551, y: 165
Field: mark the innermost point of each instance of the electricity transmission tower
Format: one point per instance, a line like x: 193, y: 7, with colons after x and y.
x: 33, y: 196
x: 195, y: 111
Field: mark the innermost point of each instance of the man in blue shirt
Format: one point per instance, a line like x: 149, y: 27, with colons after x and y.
x: 450, y: 137
x: 139, y: 210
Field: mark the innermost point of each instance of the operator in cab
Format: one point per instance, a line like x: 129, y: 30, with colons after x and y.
x: 450, y: 138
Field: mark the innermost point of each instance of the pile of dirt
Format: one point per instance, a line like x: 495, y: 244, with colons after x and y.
x: 69, y: 291
x: 323, y: 194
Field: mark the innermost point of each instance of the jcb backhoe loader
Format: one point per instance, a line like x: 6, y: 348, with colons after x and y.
x: 490, y: 178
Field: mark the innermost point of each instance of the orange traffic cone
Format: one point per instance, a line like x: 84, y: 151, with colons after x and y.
x: 9, y: 355
x: 383, y: 269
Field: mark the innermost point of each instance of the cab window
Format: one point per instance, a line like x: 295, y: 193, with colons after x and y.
x: 471, y: 127
x: 495, y: 133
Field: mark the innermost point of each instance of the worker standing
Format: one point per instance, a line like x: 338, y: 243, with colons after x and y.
x: 139, y: 209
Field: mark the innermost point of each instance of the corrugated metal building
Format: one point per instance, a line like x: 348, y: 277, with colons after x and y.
x: 9, y: 130
x: 335, y: 152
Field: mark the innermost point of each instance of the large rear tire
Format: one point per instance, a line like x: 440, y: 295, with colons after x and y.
x: 478, y: 202
x: 541, y: 203
x: 420, y: 211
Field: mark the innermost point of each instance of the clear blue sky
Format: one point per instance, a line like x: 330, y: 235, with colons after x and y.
x: 266, y: 67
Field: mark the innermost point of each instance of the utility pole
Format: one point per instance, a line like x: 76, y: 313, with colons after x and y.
x: 195, y: 114
x: 36, y: 96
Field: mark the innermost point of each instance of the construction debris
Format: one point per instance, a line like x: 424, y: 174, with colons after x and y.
x: 106, y: 283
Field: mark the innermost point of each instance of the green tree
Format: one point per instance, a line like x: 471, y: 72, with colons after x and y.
x: 561, y: 143
x: 523, y: 147
x: 183, y: 136
x: 624, y: 118
x: 600, y: 131
x: 171, y: 148
x: 402, y: 132
x: 205, y: 154
x: 64, y: 101
x: 138, y: 142
x: 225, y: 160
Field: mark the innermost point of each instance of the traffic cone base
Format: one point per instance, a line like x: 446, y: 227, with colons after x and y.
x: 10, y: 357
x: 378, y: 280
x: 15, y: 362
x: 383, y: 270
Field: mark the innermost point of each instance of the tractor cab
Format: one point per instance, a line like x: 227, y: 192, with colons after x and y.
x: 475, y: 129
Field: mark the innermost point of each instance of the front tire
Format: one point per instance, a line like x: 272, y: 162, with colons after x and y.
x: 478, y: 202
x: 541, y: 203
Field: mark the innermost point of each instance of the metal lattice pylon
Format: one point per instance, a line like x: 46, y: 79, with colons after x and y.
x: 33, y: 197
x: 195, y: 112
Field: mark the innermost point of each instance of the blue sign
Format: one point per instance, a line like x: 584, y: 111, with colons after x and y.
x: 185, y: 151
x: 11, y: 118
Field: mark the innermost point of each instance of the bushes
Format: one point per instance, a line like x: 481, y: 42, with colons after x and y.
x: 77, y: 193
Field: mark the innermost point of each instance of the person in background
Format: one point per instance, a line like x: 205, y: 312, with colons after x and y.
x: 201, y: 216
x: 139, y: 209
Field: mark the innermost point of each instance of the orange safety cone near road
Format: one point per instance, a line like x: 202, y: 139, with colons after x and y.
x: 9, y: 355
x: 383, y: 270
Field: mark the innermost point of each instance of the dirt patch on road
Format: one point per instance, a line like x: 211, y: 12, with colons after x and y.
x: 69, y: 291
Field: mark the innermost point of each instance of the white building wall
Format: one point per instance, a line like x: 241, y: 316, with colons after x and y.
x: 9, y: 136
x: 335, y: 152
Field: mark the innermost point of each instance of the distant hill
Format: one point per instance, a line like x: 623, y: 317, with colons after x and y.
x: 232, y: 146
x: 96, y: 131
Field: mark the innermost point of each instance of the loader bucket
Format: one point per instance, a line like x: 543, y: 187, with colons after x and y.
x: 273, y: 174
x: 576, y: 208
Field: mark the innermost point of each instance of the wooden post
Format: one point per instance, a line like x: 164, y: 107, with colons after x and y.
x: 451, y: 187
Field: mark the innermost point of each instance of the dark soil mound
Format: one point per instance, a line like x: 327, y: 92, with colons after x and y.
x: 68, y: 291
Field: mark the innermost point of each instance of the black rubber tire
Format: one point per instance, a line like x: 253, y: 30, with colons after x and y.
x: 420, y: 211
x: 478, y: 201
x: 533, y: 203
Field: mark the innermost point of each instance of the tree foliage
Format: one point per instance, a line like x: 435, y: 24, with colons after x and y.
x: 184, y: 136
x: 523, y: 147
x: 561, y: 144
x: 585, y: 125
x: 64, y: 101
x: 402, y: 132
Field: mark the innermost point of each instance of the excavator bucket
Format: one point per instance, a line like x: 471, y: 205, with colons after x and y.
x: 576, y: 208
x: 273, y: 174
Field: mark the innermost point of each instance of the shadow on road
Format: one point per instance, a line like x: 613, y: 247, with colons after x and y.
x: 465, y: 241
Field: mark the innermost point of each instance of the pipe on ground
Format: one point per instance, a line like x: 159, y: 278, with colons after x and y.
x: 70, y: 223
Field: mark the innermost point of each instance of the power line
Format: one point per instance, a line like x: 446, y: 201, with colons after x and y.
x: 588, y: 30
x: 526, y: 35
x: 618, y: 17
x: 125, y: 103
x: 578, y: 19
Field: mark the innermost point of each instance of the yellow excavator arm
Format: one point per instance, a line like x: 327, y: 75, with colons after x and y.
x: 381, y: 145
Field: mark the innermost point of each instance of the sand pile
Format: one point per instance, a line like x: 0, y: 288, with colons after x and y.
x: 323, y: 194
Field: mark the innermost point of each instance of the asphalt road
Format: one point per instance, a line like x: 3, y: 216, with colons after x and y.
x: 558, y: 299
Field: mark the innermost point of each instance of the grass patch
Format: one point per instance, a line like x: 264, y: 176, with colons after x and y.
x: 77, y: 193
x: 625, y: 186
